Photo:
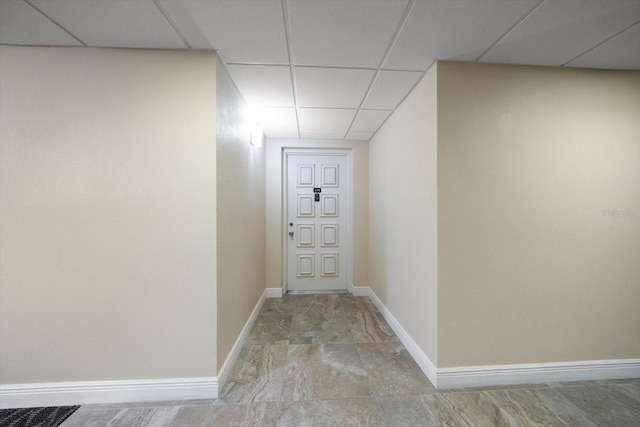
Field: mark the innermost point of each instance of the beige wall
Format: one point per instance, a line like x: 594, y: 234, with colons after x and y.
x: 403, y: 209
x: 107, y: 214
x: 274, y: 232
x: 531, y: 267
x: 241, y: 218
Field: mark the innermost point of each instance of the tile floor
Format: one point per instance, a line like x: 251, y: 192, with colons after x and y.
x: 332, y: 360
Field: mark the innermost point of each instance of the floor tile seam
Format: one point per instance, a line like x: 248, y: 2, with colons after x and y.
x: 248, y: 402
x: 402, y: 396
x: 83, y: 409
x: 508, y: 389
x: 329, y: 399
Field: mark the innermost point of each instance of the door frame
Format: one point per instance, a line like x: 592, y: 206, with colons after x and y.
x: 293, y: 151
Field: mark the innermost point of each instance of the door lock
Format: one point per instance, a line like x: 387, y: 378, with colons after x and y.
x: 291, y: 234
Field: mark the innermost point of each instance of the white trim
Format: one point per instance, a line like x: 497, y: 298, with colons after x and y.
x: 416, y: 352
x: 85, y: 392
x: 362, y: 291
x: 232, y: 357
x: 273, y: 292
x: 477, y: 376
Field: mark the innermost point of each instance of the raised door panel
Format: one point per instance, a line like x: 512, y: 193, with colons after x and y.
x: 329, y: 176
x: 306, y: 176
x: 329, y: 235
x: 329, y: 265
x: 306, y: 235
x: 305, y: 265
x: 306, y: 206
x: 329, y: 206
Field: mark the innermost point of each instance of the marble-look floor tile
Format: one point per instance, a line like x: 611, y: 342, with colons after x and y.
x: 270, y: 329
x: 133, y: 417
x: 258, y: 375
x: 92, y: 418
x: 549, y: 400
x: 228, y: 415
x: 392, y: 371
x: 444, y: 409
x: 367, y: 326
x: 606, y: 405
x: 317, y: 328
x: 457, y: 409
x: 340, y: 412
x: 503, y: 410
x: 325, y: 371
x: 631, y: 387
x: 407, y: 411
x: 279, y: 306
x: 351, y: 303
x: 326, y: 304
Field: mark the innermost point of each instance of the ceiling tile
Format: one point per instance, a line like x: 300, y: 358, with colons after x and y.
x: 620, y: 52
x: 22, y: 24
x: 369, y: 120
x: 348, y: 33
x: 390, y: 88
x: 331, y: 87
x: 275, y: 120
x: 558, y: 31
x: 264, y: 84
x: 445, y: 29
x: 114, y: 23
x: 360, y: 136
x: 241, y: 30
x: 322, y: 134
x: 325, y: 119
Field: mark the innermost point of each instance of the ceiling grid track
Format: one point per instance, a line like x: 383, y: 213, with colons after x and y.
x: 55, y: 22
x: 287, y: 34
x: 511, y: 28
x: 346, y: 77
x: 392, y: 42
x: 172, y: 23
x: 601, y: 43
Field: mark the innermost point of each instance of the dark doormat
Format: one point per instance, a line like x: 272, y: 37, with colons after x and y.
x: 50, y: 416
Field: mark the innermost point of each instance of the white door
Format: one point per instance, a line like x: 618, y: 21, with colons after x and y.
x: 317, y: 213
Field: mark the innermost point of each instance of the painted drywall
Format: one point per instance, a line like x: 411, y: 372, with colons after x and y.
x: 107, y: 214
x: 403, y: 214
x: 241, y: 215
x: 273, y: 188
x: 538, y: 214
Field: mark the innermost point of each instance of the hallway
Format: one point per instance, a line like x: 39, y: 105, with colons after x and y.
x: 333, y: 360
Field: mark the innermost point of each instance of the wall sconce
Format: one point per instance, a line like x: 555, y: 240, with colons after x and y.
x: 257, y: 135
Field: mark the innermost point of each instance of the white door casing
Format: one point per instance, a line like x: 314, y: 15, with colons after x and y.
x: 317, y: 219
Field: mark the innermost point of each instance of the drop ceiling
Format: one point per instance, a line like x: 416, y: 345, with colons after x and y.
x: 336, y: 69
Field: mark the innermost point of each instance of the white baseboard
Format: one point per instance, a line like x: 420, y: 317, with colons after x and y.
x: 223, y: 375
x: 416, y: 352
x: 478, y: 376
x: 274, y: 292
x: 85, y: 392
x: 362, y: 291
